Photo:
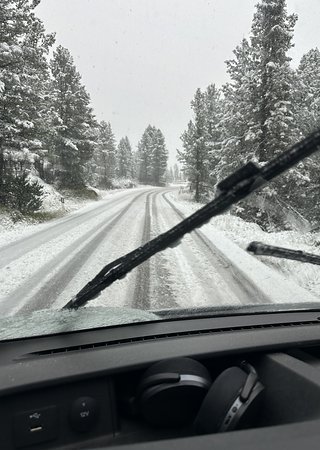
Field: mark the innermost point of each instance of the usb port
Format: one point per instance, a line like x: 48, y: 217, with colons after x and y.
x: 35, y: 429
x: 35, y: 426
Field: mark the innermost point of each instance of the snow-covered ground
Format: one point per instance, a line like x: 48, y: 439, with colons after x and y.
x: 242, y: 233
x: 42, y: 266
x: 64, y: 254
x: 11, y: 230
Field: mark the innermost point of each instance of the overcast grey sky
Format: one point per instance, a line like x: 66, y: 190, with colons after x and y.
x: 142, y: 60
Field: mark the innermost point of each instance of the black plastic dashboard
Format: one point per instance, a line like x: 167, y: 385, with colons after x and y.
x: 66, y: 391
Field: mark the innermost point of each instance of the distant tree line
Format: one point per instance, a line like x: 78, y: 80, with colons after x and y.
x: 47, y: 125
x: 174, y: 174
x: 264, y: 108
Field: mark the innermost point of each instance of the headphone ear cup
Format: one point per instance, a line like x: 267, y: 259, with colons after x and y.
x: 221, y: 396
x: 173, y: 403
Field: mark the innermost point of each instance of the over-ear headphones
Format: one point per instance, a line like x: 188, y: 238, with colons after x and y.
x: 179, y: 392
x: 171, y: 391
x: 232, y: 401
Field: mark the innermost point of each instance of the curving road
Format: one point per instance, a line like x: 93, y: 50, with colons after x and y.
x: 46, y: 268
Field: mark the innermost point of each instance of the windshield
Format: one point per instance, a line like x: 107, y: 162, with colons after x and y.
x: 120, y: 118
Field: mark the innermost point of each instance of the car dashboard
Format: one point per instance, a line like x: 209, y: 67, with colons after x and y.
x: 72, y: 390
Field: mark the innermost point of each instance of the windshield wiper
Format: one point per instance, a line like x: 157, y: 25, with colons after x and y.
x: 258, y: 248
x: 234, y: 188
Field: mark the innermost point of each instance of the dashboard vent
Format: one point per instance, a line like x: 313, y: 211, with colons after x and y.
x: 96, y: 345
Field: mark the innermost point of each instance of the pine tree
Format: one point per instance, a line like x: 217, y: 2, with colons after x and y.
x: 239, y: 127
x: 259, y: 110
x: 125, y: 159
x: 195, y: 154
x: 187, y: 156
x: 106, y: 155
x: 308, y: 92
x: 271, y: 38
x: 135, y: 164
x: 152, y: 157
x: 24, y: 78
x: 75, y: 124
x: 145, y: 148
x: 23, y: 194
x: 213, y: 113
x: 306, y: 184
x: 159, y: 158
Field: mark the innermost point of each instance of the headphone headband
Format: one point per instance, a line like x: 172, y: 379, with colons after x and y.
x: 250, y: 381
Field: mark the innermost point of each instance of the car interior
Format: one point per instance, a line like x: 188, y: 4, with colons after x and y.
x: 246, y: 380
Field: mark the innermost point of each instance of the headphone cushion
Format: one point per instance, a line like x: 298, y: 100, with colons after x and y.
x: 219, y: 399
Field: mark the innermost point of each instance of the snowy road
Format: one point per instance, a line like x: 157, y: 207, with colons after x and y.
x: 47, y: 267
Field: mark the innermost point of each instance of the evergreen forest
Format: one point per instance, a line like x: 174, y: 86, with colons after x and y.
x: 48, y: 126
x: 266, y: 106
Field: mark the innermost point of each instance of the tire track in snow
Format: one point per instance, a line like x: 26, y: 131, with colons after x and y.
x: 193, y: 277
x: 162, y: 294
x: 141, y: 297
x: 47, y: 294
x: 238, y: 283
x: 16, y: 249
x: 12, y: 300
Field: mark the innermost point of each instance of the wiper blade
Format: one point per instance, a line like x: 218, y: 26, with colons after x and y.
x: 258, y: 248
x: 234, y: 188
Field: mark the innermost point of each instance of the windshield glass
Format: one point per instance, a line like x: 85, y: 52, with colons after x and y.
x: 120, y: 118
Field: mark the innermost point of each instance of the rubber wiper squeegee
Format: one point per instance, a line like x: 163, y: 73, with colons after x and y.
x: 258, y: 248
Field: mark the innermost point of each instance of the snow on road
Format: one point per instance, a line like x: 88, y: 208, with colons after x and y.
x: 193, y: 270
x: 38, y: 258
x: 45, y: 268
x: 226, y: 229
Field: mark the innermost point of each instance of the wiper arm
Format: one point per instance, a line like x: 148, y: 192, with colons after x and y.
x: 258, y: 248
x: 234, y: 188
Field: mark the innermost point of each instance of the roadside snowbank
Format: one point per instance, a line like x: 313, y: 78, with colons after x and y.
x: 11, y: 230
x: 242, y: 233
